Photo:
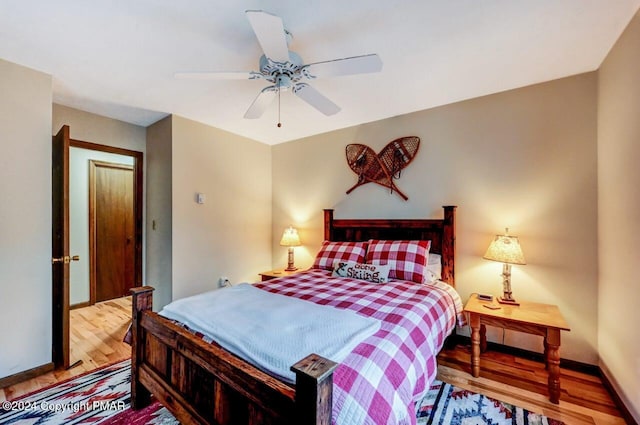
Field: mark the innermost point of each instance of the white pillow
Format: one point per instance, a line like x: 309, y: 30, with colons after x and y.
x: 375, y: 273
x: 434, y: 268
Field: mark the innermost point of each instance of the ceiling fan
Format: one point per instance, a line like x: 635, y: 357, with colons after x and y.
x: 285, y: 69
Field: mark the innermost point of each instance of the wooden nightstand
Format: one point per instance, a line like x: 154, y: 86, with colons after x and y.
x: 532, y: 318
x: 272, y: 274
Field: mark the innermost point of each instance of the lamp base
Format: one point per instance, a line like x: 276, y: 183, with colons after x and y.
x: 290, y: 266
x: 502, y: 300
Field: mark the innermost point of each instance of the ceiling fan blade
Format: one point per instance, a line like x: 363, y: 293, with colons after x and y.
x: 347, y: 66
x: 240, y: 75
x: 261, y: 103
x: 270, y: 32
x: 316, y: 99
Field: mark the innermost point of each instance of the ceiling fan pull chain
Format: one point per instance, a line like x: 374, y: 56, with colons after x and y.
x: 279, y: 123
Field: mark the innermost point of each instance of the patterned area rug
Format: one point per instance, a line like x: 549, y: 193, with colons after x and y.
x: 103, y: 397
x: 446, y: 404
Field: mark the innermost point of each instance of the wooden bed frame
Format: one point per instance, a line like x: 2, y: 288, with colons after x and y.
x: 201, y: 383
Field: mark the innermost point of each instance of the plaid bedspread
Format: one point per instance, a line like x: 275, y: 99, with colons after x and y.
x: 379, y: 382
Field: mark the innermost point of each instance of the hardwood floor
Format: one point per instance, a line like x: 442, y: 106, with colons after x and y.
x: 96, y: 339
x: 520, y: 381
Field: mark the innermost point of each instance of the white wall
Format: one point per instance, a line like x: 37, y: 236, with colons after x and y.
x: 618, y: 213
x: 79, y: 216
x: 25, y: 218
x: 230, y: 234
x: 523, y: 159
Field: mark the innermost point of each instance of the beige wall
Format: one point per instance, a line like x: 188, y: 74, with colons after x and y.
x: 230, y: 234
x: 618, y: 213
x: 94, y: 128
x: 158, y: 201
x: 25, y: 218
x: 525, y: 159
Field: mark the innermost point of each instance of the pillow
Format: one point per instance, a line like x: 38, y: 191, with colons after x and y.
x: 408, y: 259
x: 343, y: 251
x: 434, y: 268
x: 369, y: 272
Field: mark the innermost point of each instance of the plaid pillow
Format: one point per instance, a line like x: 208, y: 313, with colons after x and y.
x: 408, y: 259
x: 343, y: 251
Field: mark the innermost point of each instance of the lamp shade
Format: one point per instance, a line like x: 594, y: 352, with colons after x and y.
x: 505, y: 249
x: 290, y: 237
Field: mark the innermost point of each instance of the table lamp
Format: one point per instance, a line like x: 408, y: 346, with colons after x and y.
x: 290, y: 238
x: 506, y: 249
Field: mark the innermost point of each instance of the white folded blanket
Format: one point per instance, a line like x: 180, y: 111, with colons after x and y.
x: 272, y: 331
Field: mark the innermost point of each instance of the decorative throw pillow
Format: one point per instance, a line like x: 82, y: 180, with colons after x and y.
x: 343, y: 251
x: 434, y: 268
x: 407, y: 258
x: 369, y: 272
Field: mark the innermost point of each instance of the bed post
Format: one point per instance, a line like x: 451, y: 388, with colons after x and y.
x: 328, y: 224
x: 142, y: 301
x: 449, y: 260
x: 314, y: 390
x: 449, y: 245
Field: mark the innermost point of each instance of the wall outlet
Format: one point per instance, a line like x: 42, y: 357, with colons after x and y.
x: 224, y: 281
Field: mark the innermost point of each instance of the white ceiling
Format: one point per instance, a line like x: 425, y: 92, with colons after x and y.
x: 117, y: 57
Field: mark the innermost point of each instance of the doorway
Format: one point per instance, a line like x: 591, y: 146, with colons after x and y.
x: 131, y: 259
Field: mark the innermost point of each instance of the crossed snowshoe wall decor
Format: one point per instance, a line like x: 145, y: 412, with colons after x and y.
x: 384, y: 167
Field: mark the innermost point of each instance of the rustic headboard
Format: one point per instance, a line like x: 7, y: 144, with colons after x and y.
x: 441, y: 233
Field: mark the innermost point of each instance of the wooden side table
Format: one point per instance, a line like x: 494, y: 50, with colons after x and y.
x: 272, y: 274
x: 532, y: 318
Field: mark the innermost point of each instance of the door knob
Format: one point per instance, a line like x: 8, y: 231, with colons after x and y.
x: 66, y: 259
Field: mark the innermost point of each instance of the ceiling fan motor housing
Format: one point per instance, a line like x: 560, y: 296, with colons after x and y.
x: 282, y: 74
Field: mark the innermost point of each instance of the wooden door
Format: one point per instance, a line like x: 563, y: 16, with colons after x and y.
x: 60, y: 247
x: 112, y: 230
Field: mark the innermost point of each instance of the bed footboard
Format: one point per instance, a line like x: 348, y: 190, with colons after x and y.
x: 201, y: 383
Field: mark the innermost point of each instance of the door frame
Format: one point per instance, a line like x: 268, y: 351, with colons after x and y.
x: 60, y: 297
